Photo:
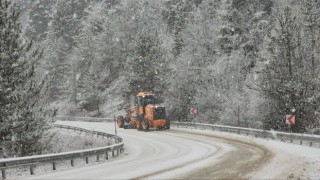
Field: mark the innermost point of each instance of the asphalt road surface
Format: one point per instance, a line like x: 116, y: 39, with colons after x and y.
x: 169, y: 154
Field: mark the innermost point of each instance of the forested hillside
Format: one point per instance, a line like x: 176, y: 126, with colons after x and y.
x: 255, y: 60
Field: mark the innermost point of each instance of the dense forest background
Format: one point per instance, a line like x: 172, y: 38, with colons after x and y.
x: 239, y: 62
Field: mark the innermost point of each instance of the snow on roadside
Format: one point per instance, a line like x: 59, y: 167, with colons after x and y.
x: 291, y: 161
x: 63, y: 142
x: 68, y: 140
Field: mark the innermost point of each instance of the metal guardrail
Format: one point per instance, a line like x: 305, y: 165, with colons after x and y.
x: 301, y: 139
x: 84, y: 119
x: 33, y: 161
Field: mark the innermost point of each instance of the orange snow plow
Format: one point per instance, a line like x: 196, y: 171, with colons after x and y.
x: 145, y: 114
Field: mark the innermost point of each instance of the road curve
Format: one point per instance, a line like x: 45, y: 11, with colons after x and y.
x: 174, y: 153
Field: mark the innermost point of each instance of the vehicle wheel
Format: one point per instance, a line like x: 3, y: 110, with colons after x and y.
x: 168, y: 124
x: 139, y: 123
x: 127, y: 120
x: 139, y: 126
x: 132, y: 126
x: 145, y: 125
x: 120, y: 121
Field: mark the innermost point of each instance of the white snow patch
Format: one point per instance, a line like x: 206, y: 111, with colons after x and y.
x: 291, y: 161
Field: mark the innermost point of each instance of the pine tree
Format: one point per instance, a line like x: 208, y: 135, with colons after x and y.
x: 243, y: 27
x: 147, y: 68
x: 67, y: 21
x: 310, y: 11
x: 311, y: 16
x: 40, y: 19
x: 23, y: 116
x: 284, y: 81
x: 190, y: 69
x: 61, y: 39
x: 58, y: 67
x: 88, y: 68
x: 142, y: 46
x: 176, y: 14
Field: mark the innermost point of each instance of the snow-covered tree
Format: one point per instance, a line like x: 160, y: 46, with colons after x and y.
x: 67, y: 20
x: 87, y: 71
x: 147, y: 66
x: 216, y: 50
x: 310, y: 10
x: 57, y: 66
x: 40, y: 19
x: 134, y: 46
x: 175, y: 14
x: 189, y: 68
x: 23, y: 117
x: 284, y: 81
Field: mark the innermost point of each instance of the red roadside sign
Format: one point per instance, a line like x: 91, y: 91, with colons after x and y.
x: 290, y: 119
x: 193, y: 111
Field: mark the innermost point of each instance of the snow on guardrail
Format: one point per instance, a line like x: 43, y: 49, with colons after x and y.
x: 302, y: 139
x: 85, y: 119
x: 33, y: 161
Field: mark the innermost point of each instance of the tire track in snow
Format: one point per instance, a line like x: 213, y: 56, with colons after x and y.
x: 209, y: 153
x: 154, y: 155
x: 247, y: 157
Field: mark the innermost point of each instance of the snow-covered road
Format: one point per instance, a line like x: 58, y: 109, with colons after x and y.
x: 183, y: 153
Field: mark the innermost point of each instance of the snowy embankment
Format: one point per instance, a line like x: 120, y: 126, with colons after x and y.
x: 189, y: 153
x: 30, y: 165
x: 291, y: 161
x: 67, y: 140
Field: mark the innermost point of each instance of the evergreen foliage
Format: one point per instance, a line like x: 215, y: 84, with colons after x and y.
x: 23, y: 117
x: 147, y: 66
x: 284, y: 81
x: 229, y: 58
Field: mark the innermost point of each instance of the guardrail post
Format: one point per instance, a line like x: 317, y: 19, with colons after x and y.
x: 54, y: 166
x: 107, y: 155
x: 310, y: 144
x: 300, y: 142
x: 87, y: 160
x: 118, y: 152
x: 72, y: 162
x: 32, y: 169
x: 4, y: 172
x: 98, y: 157
x: 112, y: 153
